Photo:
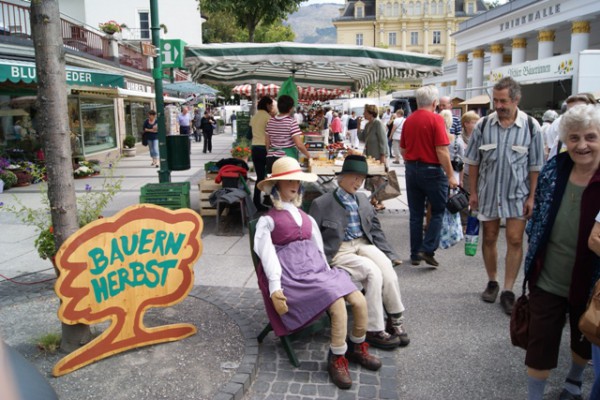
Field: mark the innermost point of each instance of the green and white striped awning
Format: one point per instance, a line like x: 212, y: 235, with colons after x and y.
x: 328, y: 66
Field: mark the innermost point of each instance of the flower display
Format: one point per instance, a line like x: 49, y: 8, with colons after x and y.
x: 90, y: 205
x: 110, y: 27
x: 86, y: 168
x: 240, y: 151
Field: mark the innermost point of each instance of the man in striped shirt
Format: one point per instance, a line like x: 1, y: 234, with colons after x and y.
x: 504, y: 159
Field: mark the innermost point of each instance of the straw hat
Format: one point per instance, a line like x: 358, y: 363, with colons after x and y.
x: 285, y: 169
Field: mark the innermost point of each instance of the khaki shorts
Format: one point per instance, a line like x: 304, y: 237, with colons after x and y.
x: 484, y: 218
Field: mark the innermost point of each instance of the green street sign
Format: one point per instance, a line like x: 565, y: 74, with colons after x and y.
x: 21, y: 71
x: 172, y: 52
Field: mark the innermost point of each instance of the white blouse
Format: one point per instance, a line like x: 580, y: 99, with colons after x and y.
x: 264, y: 248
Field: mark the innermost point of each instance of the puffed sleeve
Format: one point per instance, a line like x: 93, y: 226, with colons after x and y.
x: 264, y: 248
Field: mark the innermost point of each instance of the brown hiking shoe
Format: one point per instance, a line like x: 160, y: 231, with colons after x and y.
x: 359, y: 353
x: 337, y: 366
x: 397, y: 330
x: 491, y: 292
x: 382, y: 340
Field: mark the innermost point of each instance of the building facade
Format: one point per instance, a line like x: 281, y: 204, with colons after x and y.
x: 109, y: 81
x: 181, y: 18
x: 551, y: 47
x: 422, y: 26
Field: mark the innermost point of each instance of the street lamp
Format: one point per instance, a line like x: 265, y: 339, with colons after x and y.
x: 232, y: 99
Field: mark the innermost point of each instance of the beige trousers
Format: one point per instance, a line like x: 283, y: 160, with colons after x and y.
x: 373, y: 269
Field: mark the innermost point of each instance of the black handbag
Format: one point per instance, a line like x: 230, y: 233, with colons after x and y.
x: 144, y: 138
x: 457, y: 163
x: 519, y: 320
x: 458, y: 201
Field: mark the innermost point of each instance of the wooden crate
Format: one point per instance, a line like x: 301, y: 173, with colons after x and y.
x: 206, y: 187
x: 323, y: 167
x: 330, y: 167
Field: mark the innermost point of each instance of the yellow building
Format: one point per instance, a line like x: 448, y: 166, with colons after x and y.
x: 421, y: 26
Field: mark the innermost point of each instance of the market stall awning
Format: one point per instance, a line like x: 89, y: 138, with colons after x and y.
x: 133, y: 94
x: 23, y: 71
x: 327, y: 66
x: 482, y: 99
x: 187, y: 88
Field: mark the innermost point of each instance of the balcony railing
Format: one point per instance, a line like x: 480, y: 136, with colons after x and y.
x: 15, y: 22
x: 77, y: 37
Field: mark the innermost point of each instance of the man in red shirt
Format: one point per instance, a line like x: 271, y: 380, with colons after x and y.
x: 424, y: 147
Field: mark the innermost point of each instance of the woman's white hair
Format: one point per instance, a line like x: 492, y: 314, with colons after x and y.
x: 580, y: 117
x: 447, y: 115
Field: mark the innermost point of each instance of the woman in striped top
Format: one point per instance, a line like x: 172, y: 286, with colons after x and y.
x: 283, y: 135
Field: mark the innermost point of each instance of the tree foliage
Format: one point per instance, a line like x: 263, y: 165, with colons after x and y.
x: 249, y: 14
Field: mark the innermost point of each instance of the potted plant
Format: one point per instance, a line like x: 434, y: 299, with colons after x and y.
x: 129, y: 146
x: 8, y: 178
x: 23, y: 172
x: 110, y: 27
x: 241, y: 150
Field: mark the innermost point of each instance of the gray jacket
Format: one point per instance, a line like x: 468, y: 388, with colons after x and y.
x: 331, y: 218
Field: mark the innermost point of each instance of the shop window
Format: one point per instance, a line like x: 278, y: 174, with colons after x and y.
x: 98, y: 125
x: 359, y: 39
x: 135, y: 115
x: 437, y: 37
x: 75, y: 126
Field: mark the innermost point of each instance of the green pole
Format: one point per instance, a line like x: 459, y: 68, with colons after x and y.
x: 164, y: 174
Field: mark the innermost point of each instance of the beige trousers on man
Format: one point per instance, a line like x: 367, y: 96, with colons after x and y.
x: 370, y: 266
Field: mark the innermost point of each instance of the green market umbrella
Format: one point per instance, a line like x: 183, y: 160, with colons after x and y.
x: 326, y: 66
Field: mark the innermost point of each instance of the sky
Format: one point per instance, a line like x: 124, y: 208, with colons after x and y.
x: 309, y: 2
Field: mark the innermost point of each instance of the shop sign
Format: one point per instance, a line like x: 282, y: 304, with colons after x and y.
x: 547, y: 69
x: 26, y: 72
x: 533, y: 16
x: 172, y: 52
x: 138, y: 87
x: 117, y: 268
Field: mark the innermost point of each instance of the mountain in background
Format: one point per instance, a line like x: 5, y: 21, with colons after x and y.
x: 312, y: 24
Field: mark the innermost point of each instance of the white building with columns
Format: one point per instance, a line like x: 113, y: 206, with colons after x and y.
x: 551, y: 47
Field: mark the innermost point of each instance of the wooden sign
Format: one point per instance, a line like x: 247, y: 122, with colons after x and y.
x: 148, y: 49
x: 117, y: 268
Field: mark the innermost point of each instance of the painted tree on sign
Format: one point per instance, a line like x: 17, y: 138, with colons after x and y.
x: 53, y: 126
x: 249, y: 14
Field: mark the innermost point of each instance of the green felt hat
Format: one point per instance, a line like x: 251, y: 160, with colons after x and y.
x: 356, y: 165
